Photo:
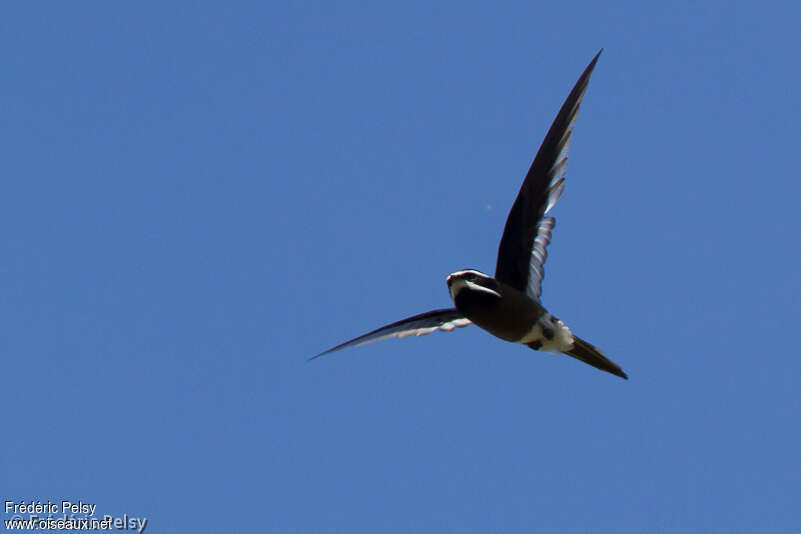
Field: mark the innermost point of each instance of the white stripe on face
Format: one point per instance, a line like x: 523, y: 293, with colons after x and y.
x: 455, y: 286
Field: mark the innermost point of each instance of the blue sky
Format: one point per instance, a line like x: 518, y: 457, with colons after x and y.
x: 198, y: 197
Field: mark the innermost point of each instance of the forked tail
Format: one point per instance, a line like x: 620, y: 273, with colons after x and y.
x: 588, y: 354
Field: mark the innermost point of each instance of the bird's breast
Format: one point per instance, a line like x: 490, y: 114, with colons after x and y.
x: 509, y: 317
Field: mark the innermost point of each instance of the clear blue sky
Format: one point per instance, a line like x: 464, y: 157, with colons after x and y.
x: 197, y: 197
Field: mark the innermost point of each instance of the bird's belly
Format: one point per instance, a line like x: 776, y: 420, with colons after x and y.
x: 502, y: 318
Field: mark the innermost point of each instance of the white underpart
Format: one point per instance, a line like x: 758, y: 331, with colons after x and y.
x: 562, y: 339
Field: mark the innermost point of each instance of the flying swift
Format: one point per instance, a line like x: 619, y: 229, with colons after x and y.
x: 508, y: 305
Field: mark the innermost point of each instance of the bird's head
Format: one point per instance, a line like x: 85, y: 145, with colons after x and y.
x: 472, y: 280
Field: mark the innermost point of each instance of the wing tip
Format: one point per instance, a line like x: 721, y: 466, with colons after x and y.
x: 341, y: 346
x: 585, y: 76
x: 594, y: 60
x: 318, y: 355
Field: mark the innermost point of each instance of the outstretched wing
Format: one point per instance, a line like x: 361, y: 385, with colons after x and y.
x: 526, y: 232
x: 419, y: 325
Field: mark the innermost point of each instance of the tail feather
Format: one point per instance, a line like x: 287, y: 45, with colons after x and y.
x: 588, y: 354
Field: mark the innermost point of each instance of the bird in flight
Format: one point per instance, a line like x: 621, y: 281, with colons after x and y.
x: 508, y: 304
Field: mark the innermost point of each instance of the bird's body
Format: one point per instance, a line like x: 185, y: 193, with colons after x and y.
x: 508, y: 305
x: 482, y: 299
x: 514, y: 316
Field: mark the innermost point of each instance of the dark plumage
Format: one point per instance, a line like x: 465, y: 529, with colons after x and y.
x: 508, y: 305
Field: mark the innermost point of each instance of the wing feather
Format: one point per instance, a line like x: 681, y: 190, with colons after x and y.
x: 539, y: 253
x: 419, y: 325
x: 541, y: 189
